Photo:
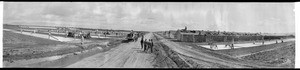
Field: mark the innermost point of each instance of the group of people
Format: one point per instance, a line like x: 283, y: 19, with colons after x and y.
x: 146, y: 44
x: 214, y: 46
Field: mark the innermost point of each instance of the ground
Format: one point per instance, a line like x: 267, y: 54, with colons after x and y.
x: 197, y: 56
x: 36, y: 50
x: 128, y: 55
x: 20, y: 48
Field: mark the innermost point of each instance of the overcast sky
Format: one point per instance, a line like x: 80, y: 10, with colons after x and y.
x: 243, y: 17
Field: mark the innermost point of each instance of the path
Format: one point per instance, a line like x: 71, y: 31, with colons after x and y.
x: 126, y: 55
x: 203, y: 57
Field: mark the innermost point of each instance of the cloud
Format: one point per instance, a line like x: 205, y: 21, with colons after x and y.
x: 251, y: 17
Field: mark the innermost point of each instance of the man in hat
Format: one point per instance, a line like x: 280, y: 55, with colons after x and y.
x: 145, y: 45
x: 49, y: 33
x: 151, y: 48
x: 142, y: 42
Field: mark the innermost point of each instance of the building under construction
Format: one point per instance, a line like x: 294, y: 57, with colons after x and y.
x: 185, y: 35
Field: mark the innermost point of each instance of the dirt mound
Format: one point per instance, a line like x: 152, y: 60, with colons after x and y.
x: 165, y: 57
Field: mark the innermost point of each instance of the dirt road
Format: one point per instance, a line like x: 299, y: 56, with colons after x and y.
x: 205, y: 58
x: 126, y: 55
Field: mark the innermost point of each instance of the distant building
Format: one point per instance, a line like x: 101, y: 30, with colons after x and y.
x: 185, y: 35
x: 217, y: 36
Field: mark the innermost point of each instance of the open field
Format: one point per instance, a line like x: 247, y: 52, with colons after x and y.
x: 30, y: 50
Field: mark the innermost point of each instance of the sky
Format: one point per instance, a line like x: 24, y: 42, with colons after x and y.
x: 155, y: 16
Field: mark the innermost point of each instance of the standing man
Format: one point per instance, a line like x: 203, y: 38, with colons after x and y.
x: 34, y: 30
x: 210, y: 45
x: 263, y: 42
x: 169, y: 34
x: 67, y: 33
x: 105, y: 33
x: 142, y: 41
x: 145, y: 44
x: 149, y: 45
x: 135, y: 37
x: 49, y: 33
x: 232, y: 45
x: 74, y: 35
x: 82, y: 38
x: 21, y: 30
x: 151, y: 48
x: 226, y: 45
x: 98, y: 35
